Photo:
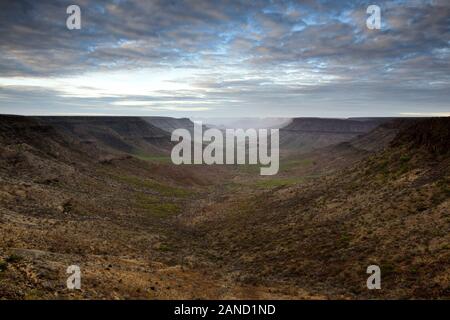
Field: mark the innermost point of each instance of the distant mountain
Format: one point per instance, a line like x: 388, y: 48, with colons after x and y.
x: 169, y: 124
x: 305, y: 134
x: 245, y: 123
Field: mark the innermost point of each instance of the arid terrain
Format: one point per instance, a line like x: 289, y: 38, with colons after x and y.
x: 102, y: 193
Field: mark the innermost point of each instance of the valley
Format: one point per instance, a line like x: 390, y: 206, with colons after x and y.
x: 102, y: 193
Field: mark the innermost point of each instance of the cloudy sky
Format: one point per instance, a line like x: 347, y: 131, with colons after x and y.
x: 225, y: 59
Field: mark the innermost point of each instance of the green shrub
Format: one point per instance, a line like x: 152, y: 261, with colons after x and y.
x: 13, y: 258
x: 3, y: 266
x: 405, y: 158
x: 151, y: 184
x: 160, y: 208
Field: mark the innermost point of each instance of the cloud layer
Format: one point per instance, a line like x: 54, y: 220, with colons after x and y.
x: 233, y: 58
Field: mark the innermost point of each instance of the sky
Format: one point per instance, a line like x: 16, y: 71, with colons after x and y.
x: 225, y: 58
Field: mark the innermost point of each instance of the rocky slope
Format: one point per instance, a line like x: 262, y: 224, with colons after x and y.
x: 140, y: 227
x: 60, y: 205
x: 113, y: 134
x: 390, y: 209
x: 305, y: 134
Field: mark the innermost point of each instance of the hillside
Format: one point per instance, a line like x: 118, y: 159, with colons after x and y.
x: 303, y: 163
x: 37, y: 150
x: 113, y: 134
x: 306, y: 134
x: 390, y: 209
x: 142, y: 228
x: 60, y: 205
